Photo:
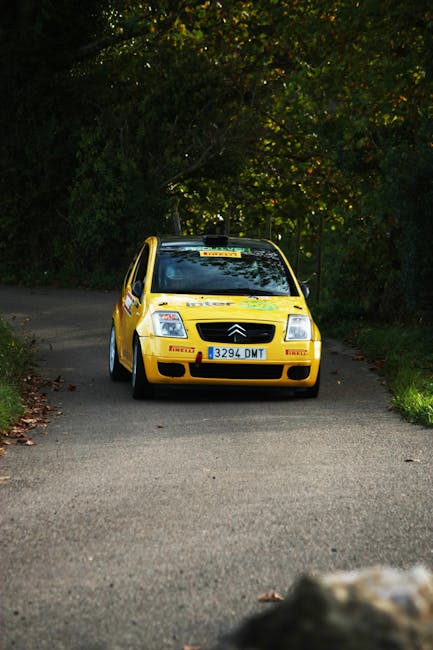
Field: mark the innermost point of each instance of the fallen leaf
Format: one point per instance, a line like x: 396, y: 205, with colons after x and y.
x: 26, y: 441
x: 31, y: 422
x: 358, y: 357
x: 412, y: 460
x: 270, y: 597
x: 4, y: 479
x: 17, y: 431
x: 72, y: 387
x: 379, y: 363
x: 191, y: 647
x: 57, y: 384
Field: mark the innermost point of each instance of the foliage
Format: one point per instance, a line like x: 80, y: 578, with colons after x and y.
x: 11, y: 406
x: 408, y: 191
x: 379, y: 125
x: 39, y: 117
x: 309, y: 123
x: 16, y: 356
x: 405, y: 356
x: 15, y: 361
x: 413, y: 396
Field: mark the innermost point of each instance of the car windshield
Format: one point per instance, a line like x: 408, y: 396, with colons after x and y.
x: 232, y: 271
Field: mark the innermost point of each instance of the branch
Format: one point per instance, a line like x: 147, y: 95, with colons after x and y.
x: 128, y: 33
x: 91, y: 49
x: 203, y: 158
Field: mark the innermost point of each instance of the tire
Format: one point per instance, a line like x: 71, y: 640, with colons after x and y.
x: 140, y: 386
x: 115, y: 368
x: 311, y: 392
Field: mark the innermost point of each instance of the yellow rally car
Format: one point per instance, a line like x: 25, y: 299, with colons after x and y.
x: 213, y: 310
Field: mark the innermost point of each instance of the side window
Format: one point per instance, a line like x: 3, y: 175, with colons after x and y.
x: 139, y: 277
x: 141, y: 268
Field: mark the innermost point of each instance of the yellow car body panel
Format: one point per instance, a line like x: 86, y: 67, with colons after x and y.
x: 190, y: 359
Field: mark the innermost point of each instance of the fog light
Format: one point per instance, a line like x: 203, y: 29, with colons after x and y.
x: 298, y: 372
x: 171, y: 369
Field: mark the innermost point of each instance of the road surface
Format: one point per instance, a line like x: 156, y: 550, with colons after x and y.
x: 157, y: 524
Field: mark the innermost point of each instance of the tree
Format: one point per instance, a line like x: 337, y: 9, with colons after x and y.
x: 306, y: 122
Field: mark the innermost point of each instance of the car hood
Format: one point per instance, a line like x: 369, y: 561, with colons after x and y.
x: 211, y: 307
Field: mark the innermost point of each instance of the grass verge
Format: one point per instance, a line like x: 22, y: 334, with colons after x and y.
x: 403, y: 354
x: 16, y: 360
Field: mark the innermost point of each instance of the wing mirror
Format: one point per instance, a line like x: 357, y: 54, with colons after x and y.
x: 137, y: 289
x: 305, y: 289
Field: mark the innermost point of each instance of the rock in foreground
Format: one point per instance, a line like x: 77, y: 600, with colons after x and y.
x: 372, y: 609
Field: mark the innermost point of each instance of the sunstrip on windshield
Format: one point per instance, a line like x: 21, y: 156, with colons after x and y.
x: 226, y: 249
x: 214, y: 253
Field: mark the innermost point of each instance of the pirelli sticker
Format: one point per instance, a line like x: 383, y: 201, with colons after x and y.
x: 181, y: 348
x: 296, y: 353
x: 216, y: 253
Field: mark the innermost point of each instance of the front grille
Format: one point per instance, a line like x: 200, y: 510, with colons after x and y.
x: 220, y: 332
x: 236, y: 370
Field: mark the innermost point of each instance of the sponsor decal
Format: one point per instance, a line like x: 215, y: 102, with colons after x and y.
x: 129, y: 301
x: 208, y: 303
x: 296, y: 353
x: 216, y: 253
x: 181, y: 348
x: 262, y: 305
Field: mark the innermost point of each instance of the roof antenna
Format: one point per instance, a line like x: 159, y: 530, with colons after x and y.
x: 215, y: 240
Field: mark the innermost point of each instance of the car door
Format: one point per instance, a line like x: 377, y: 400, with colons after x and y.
x: 133, y: 302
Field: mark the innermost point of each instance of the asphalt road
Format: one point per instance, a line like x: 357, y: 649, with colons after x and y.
x: 153, y: 525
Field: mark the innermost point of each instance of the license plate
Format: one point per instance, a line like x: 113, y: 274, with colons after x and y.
x: 226, y: 353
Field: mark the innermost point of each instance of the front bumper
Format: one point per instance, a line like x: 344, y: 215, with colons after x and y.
x: 175, y: 361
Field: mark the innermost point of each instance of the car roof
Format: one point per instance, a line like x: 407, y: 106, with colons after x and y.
x: 219, y: 241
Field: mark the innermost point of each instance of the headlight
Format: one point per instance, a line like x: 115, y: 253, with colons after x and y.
x: 168, y: 323
x: 298, y: 328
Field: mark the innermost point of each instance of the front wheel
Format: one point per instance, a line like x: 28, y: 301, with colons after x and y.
x: 115, y: 368
x: 140, y: 386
